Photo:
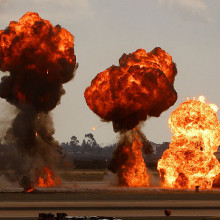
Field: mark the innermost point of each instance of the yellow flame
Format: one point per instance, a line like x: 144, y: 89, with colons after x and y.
x: 213, y: 106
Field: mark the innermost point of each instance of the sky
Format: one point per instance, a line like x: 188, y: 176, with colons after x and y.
x: 189, y: 30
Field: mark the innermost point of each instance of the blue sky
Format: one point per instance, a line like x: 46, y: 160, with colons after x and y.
x: 189, y: 30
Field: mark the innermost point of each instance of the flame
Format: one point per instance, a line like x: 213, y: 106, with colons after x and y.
x: 141, y: 85
x: 133, y: 172
x: 24, y: 29
x: 190, y: 159
x: 94, y: 128
x: 30, y: 189
x: 47, y: 179
x: 38, y: 58
x: 203, y: 100
x: 31, y: 47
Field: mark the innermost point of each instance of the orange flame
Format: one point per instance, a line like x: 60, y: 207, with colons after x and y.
x: 31, y: 189
x: 133, y: 172
x: 47, y: 180
x: 32, y: 47
x: 94, y: 128
x: 190, y: 159
x: 141, y: 85
x: 62, y: 39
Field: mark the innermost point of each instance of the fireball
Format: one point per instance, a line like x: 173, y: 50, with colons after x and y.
x: 190, y: 159
x: 141, y: 86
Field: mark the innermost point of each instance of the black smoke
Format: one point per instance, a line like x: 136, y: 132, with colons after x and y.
x: 40, y: 59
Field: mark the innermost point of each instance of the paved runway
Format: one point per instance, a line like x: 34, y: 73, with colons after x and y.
x: 127, y: 204
x: 121, y: 209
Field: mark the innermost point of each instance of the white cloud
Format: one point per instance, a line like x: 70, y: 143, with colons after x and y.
x: 191, y: 7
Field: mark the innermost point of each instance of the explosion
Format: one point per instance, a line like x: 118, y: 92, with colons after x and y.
x: 190, y: 159
x: 39, y: 58
x: 141, y: 86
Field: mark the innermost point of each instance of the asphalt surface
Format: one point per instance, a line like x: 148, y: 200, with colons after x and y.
x: 123, y: 209
x: 124, y: 203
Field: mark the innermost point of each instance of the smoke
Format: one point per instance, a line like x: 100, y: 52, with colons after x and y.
x: 141, y: 86
x: 40, y: 58
x: 8, y: 113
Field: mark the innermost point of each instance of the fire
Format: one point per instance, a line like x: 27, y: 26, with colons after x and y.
x: 94, y: 128
x: 28, y: 49
x: 30, y: 189
x: 47, y: 179
x: 190, y: 159
x: 133, y: 172
x: 61, y: 39
x: 38, y: 59
x: 213, y: 106
x: 141, y: 85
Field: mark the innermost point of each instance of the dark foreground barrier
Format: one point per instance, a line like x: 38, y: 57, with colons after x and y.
x: 64, y: 216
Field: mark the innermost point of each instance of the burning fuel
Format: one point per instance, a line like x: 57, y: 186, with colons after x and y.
x: 141, y: 86
x: 129, y: 162
x: 40, y: 59
x: 47, y: 178
x: 29, y: 189
x: 190, y: 161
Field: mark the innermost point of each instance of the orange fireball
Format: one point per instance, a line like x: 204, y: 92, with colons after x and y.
x: 190, y: 159
x: 40, y: 58
x: 141, y: 85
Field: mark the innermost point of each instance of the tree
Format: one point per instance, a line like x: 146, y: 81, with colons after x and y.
x: 89, y: 143
x: 74, y: 144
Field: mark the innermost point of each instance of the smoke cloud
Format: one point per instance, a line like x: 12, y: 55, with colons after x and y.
x: 40, y: 59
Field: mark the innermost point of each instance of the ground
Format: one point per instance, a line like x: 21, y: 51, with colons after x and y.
x: 94, y: 192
